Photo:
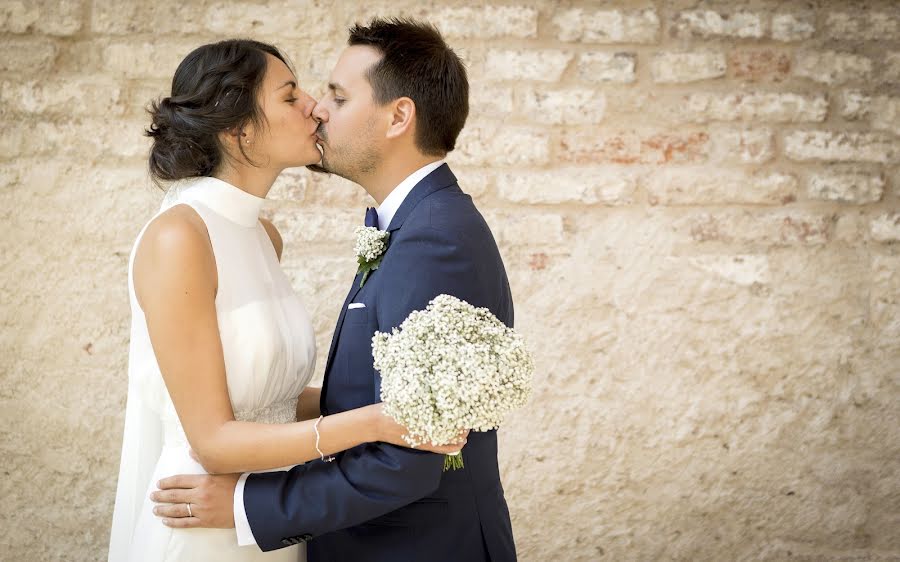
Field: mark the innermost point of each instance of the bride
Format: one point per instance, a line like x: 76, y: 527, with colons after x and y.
x: 221, y: 348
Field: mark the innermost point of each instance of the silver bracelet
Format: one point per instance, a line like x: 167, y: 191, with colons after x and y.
x: 321, y: 454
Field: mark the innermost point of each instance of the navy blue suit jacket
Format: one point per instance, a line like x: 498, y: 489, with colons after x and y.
x: 378, y: 502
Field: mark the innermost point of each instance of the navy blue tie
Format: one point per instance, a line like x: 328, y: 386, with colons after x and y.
x: 372, y: 217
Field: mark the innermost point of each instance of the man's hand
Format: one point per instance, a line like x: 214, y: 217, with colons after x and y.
x: 211, y: 499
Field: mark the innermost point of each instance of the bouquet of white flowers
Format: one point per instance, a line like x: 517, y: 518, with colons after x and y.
x: 449, y: 368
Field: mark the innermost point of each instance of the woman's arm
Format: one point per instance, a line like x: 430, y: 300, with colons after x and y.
x: 308, y: 403
x: 175, y: 282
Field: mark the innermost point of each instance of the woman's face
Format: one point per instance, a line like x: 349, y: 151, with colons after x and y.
x: 288, y: 139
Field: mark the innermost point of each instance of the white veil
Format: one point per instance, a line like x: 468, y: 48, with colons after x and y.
x: 143, y: 436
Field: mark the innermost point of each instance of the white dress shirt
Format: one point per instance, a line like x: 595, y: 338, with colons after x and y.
x: 386, y: 212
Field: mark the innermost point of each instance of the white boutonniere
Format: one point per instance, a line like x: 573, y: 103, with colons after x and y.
x: 371, y: 243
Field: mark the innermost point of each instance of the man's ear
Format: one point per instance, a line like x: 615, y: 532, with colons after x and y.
x: 403, y: 117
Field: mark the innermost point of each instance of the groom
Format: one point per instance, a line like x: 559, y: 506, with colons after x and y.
x: 397, y: 100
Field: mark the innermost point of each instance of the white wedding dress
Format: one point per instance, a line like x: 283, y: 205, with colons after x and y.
x: 269, y: 346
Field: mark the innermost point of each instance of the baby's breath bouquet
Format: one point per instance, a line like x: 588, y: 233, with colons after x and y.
x: 449, y: 368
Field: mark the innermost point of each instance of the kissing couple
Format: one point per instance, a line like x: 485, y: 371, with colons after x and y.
x: 228, y: 455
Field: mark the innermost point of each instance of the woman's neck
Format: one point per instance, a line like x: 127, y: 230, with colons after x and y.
x: 255, y: 181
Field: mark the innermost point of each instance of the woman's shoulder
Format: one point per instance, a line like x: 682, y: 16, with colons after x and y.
x: 177, y: 229
x: 174, y: 243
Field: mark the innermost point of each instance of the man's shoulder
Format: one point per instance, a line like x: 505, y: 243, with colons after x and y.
x: 444, y: 208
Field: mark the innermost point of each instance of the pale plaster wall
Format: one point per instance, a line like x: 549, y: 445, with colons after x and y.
x: 697, y: 203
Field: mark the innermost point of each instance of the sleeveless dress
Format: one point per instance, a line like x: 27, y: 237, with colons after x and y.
x: 269, y: 348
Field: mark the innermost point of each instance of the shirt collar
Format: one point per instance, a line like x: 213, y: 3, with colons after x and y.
x: 395, y: 198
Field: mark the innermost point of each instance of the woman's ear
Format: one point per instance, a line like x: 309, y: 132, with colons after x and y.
x: 234, y: 137
x: 403, y: 115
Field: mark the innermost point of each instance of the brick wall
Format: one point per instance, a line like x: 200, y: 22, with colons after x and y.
x: 697, y: 203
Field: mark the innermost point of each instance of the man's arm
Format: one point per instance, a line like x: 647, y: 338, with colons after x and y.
x: 375, y: 478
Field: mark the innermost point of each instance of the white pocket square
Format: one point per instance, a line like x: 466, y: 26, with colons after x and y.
x: 353, y: 305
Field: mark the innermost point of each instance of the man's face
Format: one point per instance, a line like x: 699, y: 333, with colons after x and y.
x: 352, y: 125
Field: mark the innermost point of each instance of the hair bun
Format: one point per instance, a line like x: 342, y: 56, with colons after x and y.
x: 179, y: 150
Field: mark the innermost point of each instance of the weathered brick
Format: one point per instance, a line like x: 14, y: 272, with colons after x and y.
x: 892, y: 67
x: 299, y: 226
x: 607, y: 67
x: 569, y: 106
x: 687, y: 67
x: 162, y: 17
x: 846, y: 187
x: 855, y: 105
x: 882, y: 112
x: 491, y: 100
x: 757, y: 65
x: 771, y: 107
x: 885, y: 114
x: 634, y: 147
x: 52, y: 17
x: 141, y: 93
x: 477, y: 182
x: 793, y: 27
x: 841, y: 146
x: 710, y: 24
x: 283, y: 18
x: 543, y: 66
x: 488, y: 144
x: 608, y: 186
x: 291, y: 185
x: 750, y: 146
x: 66, y: 96
x: 86, y: 137
x: 326, y: 190
x: 607, y: 26
x: 863, y: 25
x: 712, y: 186
x: 780, y: 228
x: 746, y: 270
x: 157, y: 60
x: 33, y: 56
x: 526, y: 228
x: 486, y: 22
x: 885, y: 227
x: 832, y: 67
x: 884, y: 297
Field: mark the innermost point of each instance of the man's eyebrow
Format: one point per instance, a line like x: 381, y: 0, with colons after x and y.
x: 290, y: 83
x: 334, y: 86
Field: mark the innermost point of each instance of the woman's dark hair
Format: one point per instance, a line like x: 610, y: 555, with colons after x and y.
x: 214, y: 89
x: 417, y: 63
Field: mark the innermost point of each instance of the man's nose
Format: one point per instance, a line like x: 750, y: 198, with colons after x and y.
x: 320, y: 113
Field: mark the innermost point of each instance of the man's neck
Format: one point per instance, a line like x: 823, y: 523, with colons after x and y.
x: 391, y: 173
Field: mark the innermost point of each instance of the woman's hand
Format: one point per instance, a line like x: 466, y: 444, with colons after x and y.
x: 392, y: 432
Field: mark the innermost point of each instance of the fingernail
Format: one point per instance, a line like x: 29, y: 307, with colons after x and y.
x: 166, y: 522
x: 155, y: 511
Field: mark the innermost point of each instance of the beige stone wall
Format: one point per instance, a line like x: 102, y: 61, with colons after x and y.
x: 697, y: 204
